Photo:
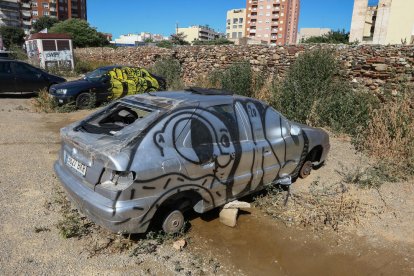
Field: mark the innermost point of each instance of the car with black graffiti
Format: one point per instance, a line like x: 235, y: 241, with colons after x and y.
x: 105, y: 84
x: 149, y: 158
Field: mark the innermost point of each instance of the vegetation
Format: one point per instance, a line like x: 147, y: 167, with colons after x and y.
x: 165, y: 44
x: 82, y: 33
x: 217, y: 41
x: 178, y: 39
x: 333, y: 37
x: 12, y: 36
x: 170, y: 69
x: 18, y: 52
x: 44, y: 22
x: 314, y: 94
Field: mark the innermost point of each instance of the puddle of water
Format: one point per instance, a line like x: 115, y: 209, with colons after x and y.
x: 261, y: 246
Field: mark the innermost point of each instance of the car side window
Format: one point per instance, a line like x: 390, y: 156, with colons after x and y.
x: 21, y: 68
x: 276, y: 125
x: 225, y: 112
x: 5, y: 68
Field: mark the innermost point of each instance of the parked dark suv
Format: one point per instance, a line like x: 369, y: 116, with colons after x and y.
x: 18, y: 76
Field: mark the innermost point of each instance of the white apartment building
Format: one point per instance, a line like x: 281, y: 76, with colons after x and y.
x: 236, y: 24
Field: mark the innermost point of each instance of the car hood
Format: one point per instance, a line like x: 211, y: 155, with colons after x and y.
x: 82, y: 83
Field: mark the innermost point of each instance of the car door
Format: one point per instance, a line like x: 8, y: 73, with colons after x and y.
x: 6, y: 77
x: 268, y: 160
x: 28, y: 78
x: 288, y: 147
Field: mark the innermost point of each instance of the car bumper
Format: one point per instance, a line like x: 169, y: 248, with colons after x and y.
x: 117, y: 216
x: 62, y: 99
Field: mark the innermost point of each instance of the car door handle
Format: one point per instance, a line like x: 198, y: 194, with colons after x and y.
x: 267, y: 152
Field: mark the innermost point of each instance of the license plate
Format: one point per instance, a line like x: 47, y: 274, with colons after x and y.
x: 76, y: 165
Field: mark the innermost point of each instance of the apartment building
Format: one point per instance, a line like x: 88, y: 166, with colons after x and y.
x: 198, y: 32
x: 23, y: 13
x: 273, y: 22
x: 236, y: 24
x: 383, y: 22
x: 10, y: 13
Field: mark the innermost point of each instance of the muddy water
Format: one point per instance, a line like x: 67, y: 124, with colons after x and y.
x: 262, y: 246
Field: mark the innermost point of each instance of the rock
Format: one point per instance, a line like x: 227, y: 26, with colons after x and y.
x: 380, y: 67
x: 229, y: 217
x: 237, y: 205
x: 180, y: 244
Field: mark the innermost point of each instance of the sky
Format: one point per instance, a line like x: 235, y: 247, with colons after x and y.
x: 161, y: 16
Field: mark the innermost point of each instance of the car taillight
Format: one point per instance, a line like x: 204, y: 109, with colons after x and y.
x: 115, y: 180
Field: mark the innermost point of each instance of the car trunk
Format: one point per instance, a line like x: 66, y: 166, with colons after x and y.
x: 106, y: 139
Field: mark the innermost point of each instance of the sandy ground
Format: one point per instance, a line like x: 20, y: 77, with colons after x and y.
x: 30, y: 242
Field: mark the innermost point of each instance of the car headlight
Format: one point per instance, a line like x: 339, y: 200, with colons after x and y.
x: 61, y: 91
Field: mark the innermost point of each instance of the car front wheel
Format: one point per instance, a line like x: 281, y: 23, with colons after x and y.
x: 306, y: 169
x: 84, y: 100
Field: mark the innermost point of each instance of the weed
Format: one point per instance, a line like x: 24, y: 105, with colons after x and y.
x: 238, y: 78
x: 369, y: 177
x: 323, y: 206
x: 170, y: 69
x: 85, y: 66
x: 41, y: 229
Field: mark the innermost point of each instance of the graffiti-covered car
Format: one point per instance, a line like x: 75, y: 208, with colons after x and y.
x: 152, y: 157
x: 107, y: 83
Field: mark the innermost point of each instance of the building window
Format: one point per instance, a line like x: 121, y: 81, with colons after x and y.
x: 49, y: 45
x: 34, y: 4
x: 234, y: 26
x: 46, y: 13
x: 240, y: 34
x: 45, y: 5
x: 35, y: 13
x: 235, y: 20
x: 240, y: 20
x: 63, y: 45
x: 280, y: 35
x: 234, y: 35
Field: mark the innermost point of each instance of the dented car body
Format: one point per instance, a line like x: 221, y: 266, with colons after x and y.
x: 153, y: 156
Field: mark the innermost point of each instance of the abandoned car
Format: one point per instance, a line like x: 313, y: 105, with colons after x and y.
x: 151, y: 157
x: 106, y: 83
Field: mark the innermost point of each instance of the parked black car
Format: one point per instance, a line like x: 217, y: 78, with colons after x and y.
x: 18, y: 76
x: 106, y: 83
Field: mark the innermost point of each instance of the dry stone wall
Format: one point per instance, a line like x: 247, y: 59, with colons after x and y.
x: 369, y: 65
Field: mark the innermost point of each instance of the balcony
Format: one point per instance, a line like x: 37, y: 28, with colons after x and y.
x: 27, y: 23
x: 26, y: 5
x: 26, y: 14
x: 52, y: 9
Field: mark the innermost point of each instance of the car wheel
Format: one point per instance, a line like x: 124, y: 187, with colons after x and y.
x: 306, y: 169
x: 84, y: 100
x: 173, y: 222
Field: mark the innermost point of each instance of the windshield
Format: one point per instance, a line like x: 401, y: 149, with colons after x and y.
x: 96, y: 75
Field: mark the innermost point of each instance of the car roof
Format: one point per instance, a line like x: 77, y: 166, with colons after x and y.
x: 194, y: 96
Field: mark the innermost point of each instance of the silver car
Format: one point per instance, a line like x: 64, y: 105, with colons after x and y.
x: 148, y: 158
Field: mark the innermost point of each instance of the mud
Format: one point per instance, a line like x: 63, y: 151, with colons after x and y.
x: 262, y: 246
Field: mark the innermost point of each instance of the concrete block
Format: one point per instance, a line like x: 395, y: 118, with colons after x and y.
x: 237, y: 205
x: 229, y: 217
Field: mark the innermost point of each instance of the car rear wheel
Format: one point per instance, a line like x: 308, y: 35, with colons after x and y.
x: 173, y: 222
x: 84, y: 100
x: 306, y: 169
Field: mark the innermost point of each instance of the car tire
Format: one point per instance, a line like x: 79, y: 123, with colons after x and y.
x: 306, y: 169
x: 173, y: 221
x: 83, y: 100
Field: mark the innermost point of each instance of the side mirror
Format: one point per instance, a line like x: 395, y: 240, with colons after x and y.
x: 295, y: 130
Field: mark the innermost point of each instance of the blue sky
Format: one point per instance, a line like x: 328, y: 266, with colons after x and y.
x: 160, y: 16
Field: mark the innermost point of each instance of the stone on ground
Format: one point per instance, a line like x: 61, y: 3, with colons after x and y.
x: 229, y: 217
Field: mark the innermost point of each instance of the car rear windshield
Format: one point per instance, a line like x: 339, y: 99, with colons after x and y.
x: 115, y: 118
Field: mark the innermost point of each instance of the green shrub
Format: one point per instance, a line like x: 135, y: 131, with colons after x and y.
x: 18, y: 53
x: 313, y: 93
x: 170, y: 69
x: 85, y: 66
x: 238, y: 78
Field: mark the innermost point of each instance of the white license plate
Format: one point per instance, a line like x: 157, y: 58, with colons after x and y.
x: 76, y: 165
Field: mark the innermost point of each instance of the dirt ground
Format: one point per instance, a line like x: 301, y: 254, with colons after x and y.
x: 379, y: 240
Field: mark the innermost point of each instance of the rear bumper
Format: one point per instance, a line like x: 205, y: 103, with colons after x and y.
x: 117, y: 216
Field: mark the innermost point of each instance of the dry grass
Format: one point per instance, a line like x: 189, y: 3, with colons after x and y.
x: 322, y: 206
x: 390, y: 136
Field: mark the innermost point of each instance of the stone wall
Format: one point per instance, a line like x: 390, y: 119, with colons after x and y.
x: 372, y: 66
